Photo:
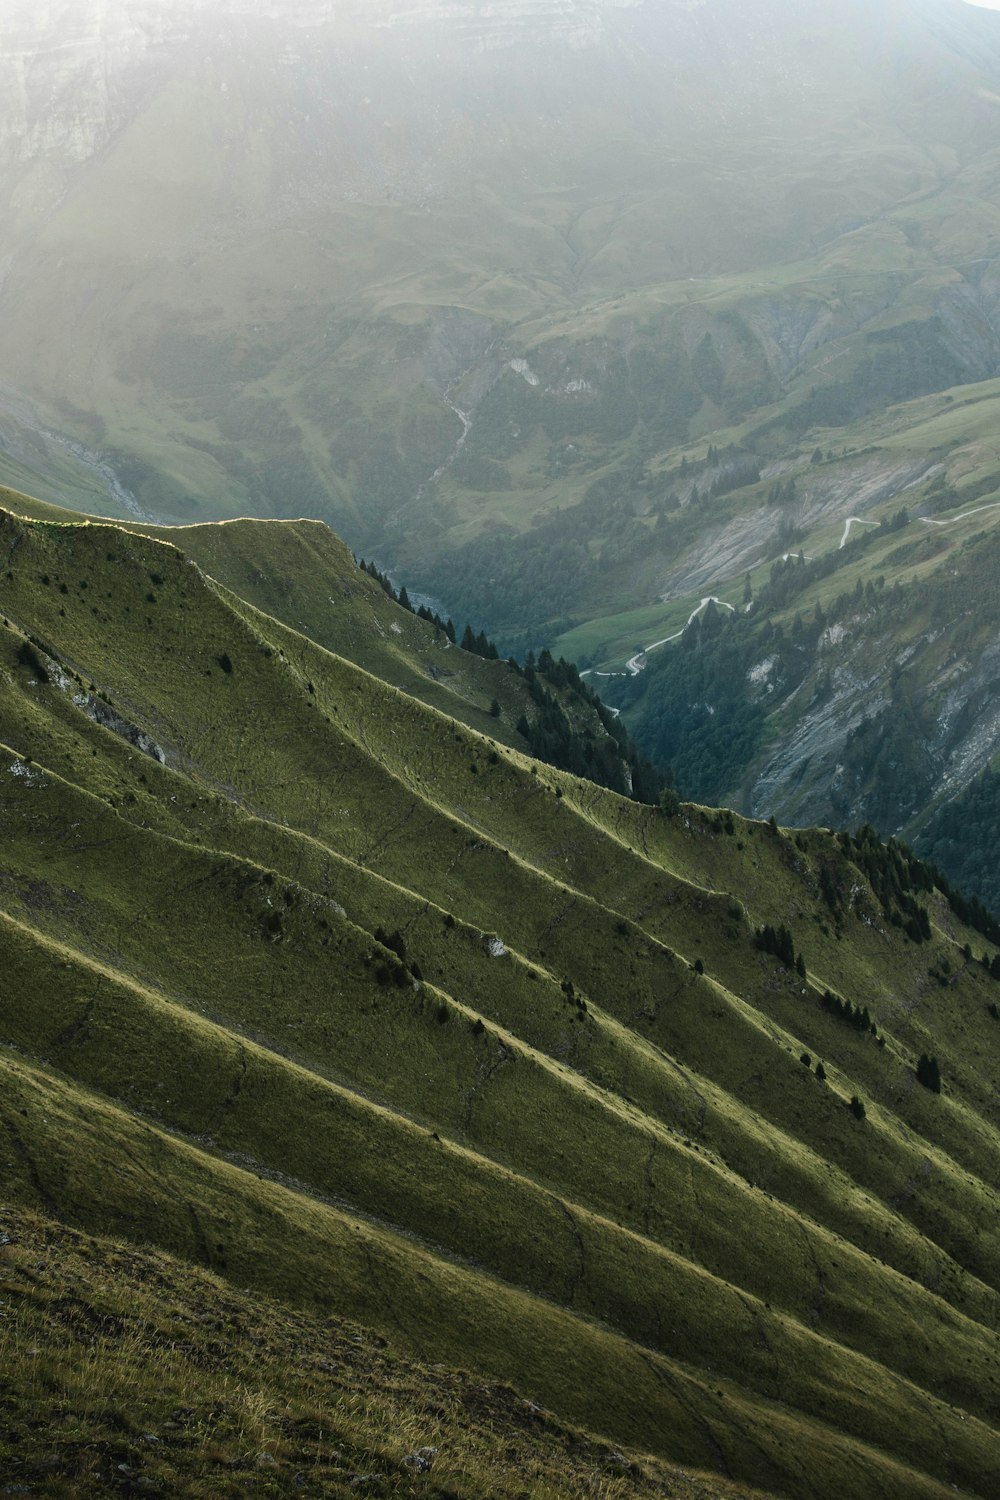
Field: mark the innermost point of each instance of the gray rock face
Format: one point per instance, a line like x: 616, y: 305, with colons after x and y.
x: 956, y: 696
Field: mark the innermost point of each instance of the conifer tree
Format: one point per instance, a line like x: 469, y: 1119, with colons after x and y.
x: 928, y: 1073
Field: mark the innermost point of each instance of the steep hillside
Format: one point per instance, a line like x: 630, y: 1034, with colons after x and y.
x: 684, y: 1126
x: 305, y: 576
x: 168, y: 1380
x: 851, y: 676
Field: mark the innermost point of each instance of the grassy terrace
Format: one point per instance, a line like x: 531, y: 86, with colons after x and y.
x: 347, y: 1001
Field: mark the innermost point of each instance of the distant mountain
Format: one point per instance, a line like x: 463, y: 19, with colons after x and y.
x: 542, y: 304
x: 663, y: 1123
x: 277, y: 258
x: 847, y: 671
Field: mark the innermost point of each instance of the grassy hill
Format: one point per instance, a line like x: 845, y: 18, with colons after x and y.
x: 320, y: 988
x: 307, y: 578
x: 165, y: 1379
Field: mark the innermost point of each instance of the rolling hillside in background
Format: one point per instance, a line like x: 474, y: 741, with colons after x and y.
x: 432, y: 271
x: 571, y: 316
x: 680, y: 1127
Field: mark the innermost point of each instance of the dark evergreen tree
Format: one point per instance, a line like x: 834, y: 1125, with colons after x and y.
x: 670, y: 803
x: 928, y: 1073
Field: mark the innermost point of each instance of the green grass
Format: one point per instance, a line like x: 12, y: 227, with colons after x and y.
x: 165, y: 1378
x: 527, y: 1157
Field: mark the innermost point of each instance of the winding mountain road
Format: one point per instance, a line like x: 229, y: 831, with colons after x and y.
x: 637, y: 663
x: 950, y: 520
x: 853, y: 521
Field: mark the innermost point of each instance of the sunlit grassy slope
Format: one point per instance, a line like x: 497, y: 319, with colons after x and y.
x: 308, y: 579
x: 309, y: 983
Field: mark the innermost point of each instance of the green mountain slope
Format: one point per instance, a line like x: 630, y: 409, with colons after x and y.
x: 305, y: 576
x: 232, y: 1391
x: 317, y: 986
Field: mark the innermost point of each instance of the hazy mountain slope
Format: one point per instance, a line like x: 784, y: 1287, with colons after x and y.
x: 277, y: 258
x: 336, y: 971
x: 541, y: 304
x: 860, y: 683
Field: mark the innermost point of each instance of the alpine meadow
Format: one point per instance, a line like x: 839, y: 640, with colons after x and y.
x: 500, y: 749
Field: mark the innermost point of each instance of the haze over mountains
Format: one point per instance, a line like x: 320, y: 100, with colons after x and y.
x: 252, y: 249
x: 487, y: 286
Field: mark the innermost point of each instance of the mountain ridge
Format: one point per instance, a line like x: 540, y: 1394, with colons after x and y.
x: 414, y: 987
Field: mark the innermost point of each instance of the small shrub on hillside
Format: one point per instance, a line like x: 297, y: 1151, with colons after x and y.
x: 928, y: 1073
x: 28, y: 657
x: 820, y: 1072
x: 272, y: 925
x: 224, y: 662
x: 857, y: 1108
x: 670, y: 802
x: 394, y: 941
x: 777, y: 941
x: 854, y: 1015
